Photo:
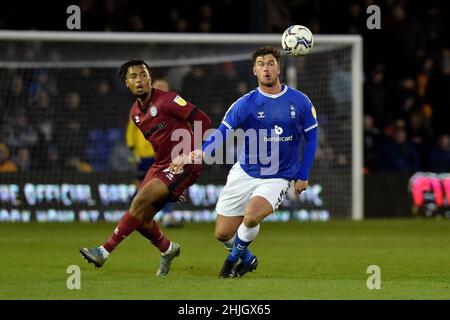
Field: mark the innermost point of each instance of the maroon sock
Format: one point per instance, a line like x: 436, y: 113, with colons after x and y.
x: 126, y: 225
x: 154, y: 234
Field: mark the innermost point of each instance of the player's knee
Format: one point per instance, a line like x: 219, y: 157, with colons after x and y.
x: 252, y: 218
x: 256, y: 211
x: 222, y: 236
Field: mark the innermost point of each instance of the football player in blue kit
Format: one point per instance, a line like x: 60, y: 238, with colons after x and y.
x: 257, y: 183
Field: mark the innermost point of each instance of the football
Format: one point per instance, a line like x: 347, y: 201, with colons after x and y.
x: 297, y: 40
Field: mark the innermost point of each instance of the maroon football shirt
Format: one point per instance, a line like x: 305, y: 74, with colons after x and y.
x: 163, y: 114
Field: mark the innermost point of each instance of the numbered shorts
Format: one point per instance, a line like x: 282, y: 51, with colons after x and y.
x: 241, y: 187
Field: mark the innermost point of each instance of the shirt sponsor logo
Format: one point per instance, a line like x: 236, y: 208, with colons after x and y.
x: 278, y: 139
x: 278, y: 130
x: 154, y: 129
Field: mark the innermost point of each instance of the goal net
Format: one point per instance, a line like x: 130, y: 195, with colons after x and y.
x: 64, y: 111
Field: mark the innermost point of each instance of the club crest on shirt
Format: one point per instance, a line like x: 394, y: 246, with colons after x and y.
x: 180, y: 101
x: 313, y: 111
x: 292, y: 107
x: 153, y: 111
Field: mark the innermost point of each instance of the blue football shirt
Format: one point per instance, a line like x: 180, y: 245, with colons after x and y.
x: 279, y: 122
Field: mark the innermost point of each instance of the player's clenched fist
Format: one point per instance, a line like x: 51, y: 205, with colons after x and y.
x: 300, y: 186
x: 197, y: 156
x: 178, y: 163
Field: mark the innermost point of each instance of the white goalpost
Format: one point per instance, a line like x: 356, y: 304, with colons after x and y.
x: 61, y: 63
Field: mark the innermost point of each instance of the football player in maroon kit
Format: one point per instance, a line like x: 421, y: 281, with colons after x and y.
x: 157, y: 114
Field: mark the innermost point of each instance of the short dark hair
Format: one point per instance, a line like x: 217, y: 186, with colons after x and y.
x: 265, y: 51
x: 124, y: 68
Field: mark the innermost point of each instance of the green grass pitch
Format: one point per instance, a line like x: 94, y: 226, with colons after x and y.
x: 312, y: 260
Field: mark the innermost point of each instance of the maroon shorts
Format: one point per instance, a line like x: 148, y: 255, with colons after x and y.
x: 176, y: 183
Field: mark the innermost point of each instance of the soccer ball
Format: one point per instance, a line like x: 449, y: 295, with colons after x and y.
x: 297, y: 40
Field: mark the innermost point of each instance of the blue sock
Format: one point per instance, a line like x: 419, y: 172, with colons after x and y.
x: 247, y: 256
x: 239, y: 247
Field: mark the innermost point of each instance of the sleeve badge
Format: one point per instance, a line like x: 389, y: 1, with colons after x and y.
x: 313, y: 111
x: 180, y: 101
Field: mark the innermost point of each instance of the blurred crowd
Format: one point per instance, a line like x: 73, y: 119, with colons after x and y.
x: 133, y: 16
x: 406, y: 75
x: 75, y: 119
x: 406, y: 78
x: 46, y: 122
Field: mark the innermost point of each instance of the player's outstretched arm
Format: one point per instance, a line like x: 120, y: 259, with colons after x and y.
x: 205, y: 122
x: 309, y: 152
x: 198, y: 115
x: 214, y: 141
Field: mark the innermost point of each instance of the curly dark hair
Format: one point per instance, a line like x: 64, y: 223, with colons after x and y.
x: 264, y: 51
x: 122, y: 72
